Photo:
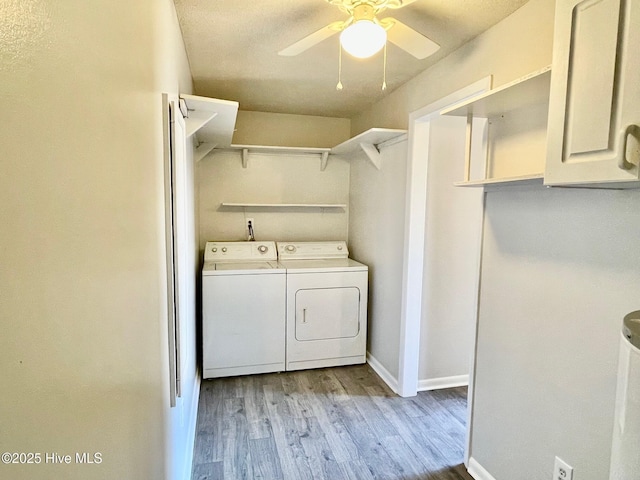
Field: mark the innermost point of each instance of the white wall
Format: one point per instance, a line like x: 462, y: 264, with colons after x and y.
x: 83, y: 349
x: 272, y: 179
x: 376, y: 236
x: 262, y: 128
x: 451, y: 259
x: 181, y: 419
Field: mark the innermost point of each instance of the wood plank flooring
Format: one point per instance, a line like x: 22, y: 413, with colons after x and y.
x: 330, y: 424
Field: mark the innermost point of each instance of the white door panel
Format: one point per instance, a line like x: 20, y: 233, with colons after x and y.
x: 243, y: 323
x: 594, y: 107
x: 327, y: 313
x: 593, y: 44
x: 326, y: 319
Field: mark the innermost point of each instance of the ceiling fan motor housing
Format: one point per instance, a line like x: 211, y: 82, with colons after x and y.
x: 363, y: 14
x: 352, y: 6
x: 364, y: 11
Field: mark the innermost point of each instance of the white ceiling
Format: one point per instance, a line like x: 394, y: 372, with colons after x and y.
x: 233, y: 50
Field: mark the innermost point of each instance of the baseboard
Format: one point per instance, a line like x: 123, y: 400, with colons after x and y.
x: 193, y: 423
x: 443, y: 382
x: 383, y: 373
x: 477, y: 471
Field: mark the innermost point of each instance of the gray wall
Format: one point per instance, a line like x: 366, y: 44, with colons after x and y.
x: 376, y: 237
x: 560, y: 270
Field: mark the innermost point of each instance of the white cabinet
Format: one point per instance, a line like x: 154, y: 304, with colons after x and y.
x: 594, y: 107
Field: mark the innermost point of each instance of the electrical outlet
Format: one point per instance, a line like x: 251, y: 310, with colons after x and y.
x: 562, y: 470
x: 250, y: 229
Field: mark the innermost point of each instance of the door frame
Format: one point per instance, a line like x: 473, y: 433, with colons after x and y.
x: 414, y: 239
x: 416, y: 207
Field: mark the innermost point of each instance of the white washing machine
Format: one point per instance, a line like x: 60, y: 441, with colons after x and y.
x: 326, y: 305
x: 243, y: 309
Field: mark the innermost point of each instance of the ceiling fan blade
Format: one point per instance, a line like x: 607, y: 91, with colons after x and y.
x: 313, y: 39
x: 408, y: 39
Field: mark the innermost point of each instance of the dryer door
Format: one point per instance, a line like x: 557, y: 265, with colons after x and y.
x: 327, y: 313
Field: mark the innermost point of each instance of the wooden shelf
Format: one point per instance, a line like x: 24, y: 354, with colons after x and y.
x: 529, y: 90
x: 522, y: 98
x: 202, y: 150
x: 370, y: 143
x: 211, y: 120
x: 280, y: 150
x: 284, y: 205
x: 533, y: 179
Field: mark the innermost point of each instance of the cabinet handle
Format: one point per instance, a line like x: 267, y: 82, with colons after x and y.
x: 622, y: 157
x: 304, y: 315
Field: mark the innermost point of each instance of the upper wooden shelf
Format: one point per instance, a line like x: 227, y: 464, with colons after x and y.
x: 247, y: 149
x: 211, y: 120
x: 369, y: 142
x: 277, y: 149
x: 373, y: 136
x: 284, y: 205
x: 529, y: 90
x: 493, y: 183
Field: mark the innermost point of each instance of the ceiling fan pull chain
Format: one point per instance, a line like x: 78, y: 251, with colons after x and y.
x: 384, y: 69
x: 339, y: 85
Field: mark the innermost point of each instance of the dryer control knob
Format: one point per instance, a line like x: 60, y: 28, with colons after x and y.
x: 290, y: 248
x: 224, y: 249
x: 263, y: 249
x: 339, y: 247
x: 214, y: 249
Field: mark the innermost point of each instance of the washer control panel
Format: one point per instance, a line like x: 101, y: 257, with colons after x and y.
x: 240, y: 251
x: 312, y: 250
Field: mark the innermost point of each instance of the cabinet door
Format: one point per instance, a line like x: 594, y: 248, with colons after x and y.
x: 594, y: 107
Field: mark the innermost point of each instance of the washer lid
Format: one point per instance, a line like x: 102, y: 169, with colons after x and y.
x: 241, y: 268
x: 323, y: 265
x: 631, y: 328
x: 245, y: 266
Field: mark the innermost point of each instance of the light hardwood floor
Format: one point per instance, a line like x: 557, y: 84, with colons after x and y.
x: 331, y: 423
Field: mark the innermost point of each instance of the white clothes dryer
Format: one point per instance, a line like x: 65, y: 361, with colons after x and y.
x: 243, y: 309
x: 326, y: 305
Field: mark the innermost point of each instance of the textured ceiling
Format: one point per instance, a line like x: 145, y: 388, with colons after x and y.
x: 233, y: 50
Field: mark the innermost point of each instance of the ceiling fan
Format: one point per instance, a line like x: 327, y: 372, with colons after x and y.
x: 363, y: 34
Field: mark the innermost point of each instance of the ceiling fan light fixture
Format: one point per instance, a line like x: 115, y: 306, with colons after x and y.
x: 363, y: 39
